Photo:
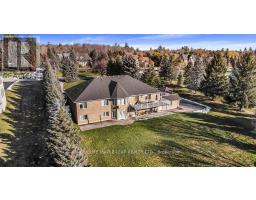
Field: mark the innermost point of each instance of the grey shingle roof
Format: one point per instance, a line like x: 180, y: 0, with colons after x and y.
x: 108, y: 87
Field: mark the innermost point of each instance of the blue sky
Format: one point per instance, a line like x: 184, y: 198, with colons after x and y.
x: 146, y: 41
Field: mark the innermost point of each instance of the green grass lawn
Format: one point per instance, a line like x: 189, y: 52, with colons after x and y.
x: 71, y: 84
x: 222, y: 137
x: 84, y: 76
x: 87, y: 74
x: 175, y: 140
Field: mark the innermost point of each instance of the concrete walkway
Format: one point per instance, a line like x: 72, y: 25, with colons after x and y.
x: 185, y: 106
x: 105, y: 124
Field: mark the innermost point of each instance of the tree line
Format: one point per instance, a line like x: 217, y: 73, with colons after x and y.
x: 236, y: 86
x: 224, y: 73
x: 63, y: 140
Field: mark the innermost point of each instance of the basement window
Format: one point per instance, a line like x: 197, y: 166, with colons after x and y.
x: 83, y: 105
x: 83, y: 117
x: 105, y: 114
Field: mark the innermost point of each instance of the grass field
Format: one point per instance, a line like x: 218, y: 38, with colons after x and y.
x: 220, y: 138
x: 22, y: 126
x: 72, y: 84
x: 84, y: 76
x: 87, y: 74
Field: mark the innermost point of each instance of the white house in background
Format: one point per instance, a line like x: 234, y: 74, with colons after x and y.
x: 38, y: 74
x: 2, y: 96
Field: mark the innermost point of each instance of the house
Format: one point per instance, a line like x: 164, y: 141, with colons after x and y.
x: 116, y: 98
x: 2, y: 96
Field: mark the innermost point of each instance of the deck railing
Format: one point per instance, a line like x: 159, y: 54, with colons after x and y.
x: 153, y: 104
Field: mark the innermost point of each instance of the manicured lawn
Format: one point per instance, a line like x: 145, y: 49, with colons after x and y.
x: 84, y: 76
x: 71, y: 84
x: 22, y: 126
x: 222, y: 137
x: 87, y: 74
x: 175, y: 140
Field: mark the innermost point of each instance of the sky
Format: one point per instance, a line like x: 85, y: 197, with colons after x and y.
x: 147, y: 41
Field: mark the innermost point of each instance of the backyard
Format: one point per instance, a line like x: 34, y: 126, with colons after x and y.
x: 223, y: 137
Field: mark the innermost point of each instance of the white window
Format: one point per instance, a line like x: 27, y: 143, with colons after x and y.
x: 148, y: 97
x: 122, y: 101
x: 105, y: 114
x: 83, y: 105
x: 83, y: 117
x: 104, y: 102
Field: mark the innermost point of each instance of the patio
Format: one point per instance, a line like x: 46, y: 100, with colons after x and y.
x: 185, y: 106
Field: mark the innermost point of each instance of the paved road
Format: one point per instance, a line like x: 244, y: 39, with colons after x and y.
x: 7, y: 84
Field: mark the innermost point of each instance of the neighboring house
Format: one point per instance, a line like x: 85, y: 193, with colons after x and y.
x: 38, y: 74
x: 116, y: 98
x: 2, y: 96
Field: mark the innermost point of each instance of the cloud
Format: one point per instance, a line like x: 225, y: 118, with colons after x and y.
x: 211, y: 45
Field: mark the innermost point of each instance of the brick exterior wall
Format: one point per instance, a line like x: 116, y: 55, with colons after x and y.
x: 95, y: 109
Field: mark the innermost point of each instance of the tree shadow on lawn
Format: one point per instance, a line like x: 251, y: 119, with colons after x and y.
x: 200, y: 141
x: 26, y: 143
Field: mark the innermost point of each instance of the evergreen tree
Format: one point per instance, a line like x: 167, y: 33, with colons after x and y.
x: 53, y: 57
x: 130, y: 66
x: 63, y: 140
x: 243, y: 81
x: 165, y: 64
x: 94, y: 55
x: 52, y: 87
x: 150, y: 76
x: 70, y: 67
x: 168, y: 68
x: 180, y: 79
x: 215, y: 81
x: 114, y: 66
x: 194, y: 74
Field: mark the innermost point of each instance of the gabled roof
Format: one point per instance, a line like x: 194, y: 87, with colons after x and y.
x: 108, y: 87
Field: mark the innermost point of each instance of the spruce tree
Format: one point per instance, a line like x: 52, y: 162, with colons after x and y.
x: 165, y: 64
x: 63, y: 137
x: 168, y: 68
x: 215, y: 81
x: 150, y: 76
x: 114, y: 66
x: 180, y: 79
x: 243, y: 81
x: 70, y: 68
x: 53, y: 57
x: 130, y: 66
x: 52, y: 88
x: 194, y: 74
x: 64, y: 141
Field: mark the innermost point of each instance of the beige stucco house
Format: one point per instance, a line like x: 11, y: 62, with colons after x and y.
x: 116, y: 98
